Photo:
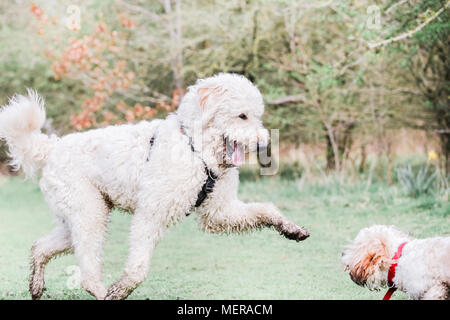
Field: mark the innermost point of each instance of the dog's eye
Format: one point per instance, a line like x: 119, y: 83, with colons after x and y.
x: 243, y: 116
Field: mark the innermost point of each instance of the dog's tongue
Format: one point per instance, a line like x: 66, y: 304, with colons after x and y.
x: 238, y: 156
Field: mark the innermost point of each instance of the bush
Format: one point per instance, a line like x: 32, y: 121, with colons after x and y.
x: 418, y: 184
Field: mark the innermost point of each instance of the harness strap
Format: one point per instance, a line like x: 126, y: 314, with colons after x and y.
x: 208, y: 187
x: 191, y: 141
x: 211, y: 177
x: 389, y: 293
x: 391, y: 273
x: 152, y: 142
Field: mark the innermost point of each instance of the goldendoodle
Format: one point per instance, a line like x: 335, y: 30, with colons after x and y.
x: 385, y: 256
x: 159, y: 170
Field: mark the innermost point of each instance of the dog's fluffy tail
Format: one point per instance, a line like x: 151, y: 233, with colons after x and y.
x: 21, y: 121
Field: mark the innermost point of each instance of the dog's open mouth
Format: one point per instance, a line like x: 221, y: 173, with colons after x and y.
x: 235, y: 152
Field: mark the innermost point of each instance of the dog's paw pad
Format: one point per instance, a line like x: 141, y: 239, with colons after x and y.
x: 294, y: 232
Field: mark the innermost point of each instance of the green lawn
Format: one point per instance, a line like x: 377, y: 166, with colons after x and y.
x: 189, y: 264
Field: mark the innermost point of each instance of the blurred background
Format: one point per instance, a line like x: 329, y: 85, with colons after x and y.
x: 340, y: 96
x: 353, y: 86
x: 358, y: 89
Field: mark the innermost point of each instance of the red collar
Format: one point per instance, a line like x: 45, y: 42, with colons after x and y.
x: 391, y: 273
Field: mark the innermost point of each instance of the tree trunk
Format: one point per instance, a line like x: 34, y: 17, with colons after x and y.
x: 331, y: 151
x: 445, y: 145
x: 347, y: 141
x: 331, y: 163
x: 362, y: 165
x: 339, y: 141
x: 390, y: 163
x: 175, y: 31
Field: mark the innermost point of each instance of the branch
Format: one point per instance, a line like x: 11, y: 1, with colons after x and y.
x: 289, y: 99
x: 392, y: 91
x: 140, y: 9
x: 409, y: 33
x: 314, y: 6
x: 352, y: 64
x: 395, y: 5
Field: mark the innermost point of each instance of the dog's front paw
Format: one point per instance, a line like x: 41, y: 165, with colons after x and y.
x: 36, y: 291
x: 37, y: 284
x: 292, y: 231
x: 115, y: 292
x: 118, y: 291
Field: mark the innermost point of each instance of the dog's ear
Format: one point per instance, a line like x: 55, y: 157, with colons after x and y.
x: 209, y: 95
x: 370, y: 257
x: 363, y: 268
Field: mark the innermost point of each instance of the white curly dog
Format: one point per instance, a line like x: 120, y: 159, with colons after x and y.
x: 385, y: 256
x: 159, y: 171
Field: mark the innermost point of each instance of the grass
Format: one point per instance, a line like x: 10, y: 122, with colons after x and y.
x: 189, y: 264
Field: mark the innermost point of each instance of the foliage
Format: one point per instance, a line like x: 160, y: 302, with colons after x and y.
x: 95, y: 59
x: 426, y: 55
x: 323, y: 82
x: 416, y: 184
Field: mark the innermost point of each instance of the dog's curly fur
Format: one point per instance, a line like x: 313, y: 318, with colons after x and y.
x: 423, y: 270
x: 85, y: 174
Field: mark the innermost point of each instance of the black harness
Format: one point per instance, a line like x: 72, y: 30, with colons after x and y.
x: 211, y: 177
x: 207, y: 187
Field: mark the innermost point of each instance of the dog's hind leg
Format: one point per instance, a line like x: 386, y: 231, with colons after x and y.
x: 84, y: 209
x: 145, y: 232
x: 88, y: 228
x: 44, y: 249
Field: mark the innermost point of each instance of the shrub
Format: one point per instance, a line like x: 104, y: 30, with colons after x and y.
x: 418, y: 184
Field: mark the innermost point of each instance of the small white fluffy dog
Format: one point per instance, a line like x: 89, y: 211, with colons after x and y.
x: 423, y: 269
x: 155, y: 170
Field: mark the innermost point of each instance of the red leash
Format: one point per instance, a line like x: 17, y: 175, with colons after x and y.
x: 391, y: 273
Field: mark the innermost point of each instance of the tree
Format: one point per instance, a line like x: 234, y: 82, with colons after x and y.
x: 424, y: 42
